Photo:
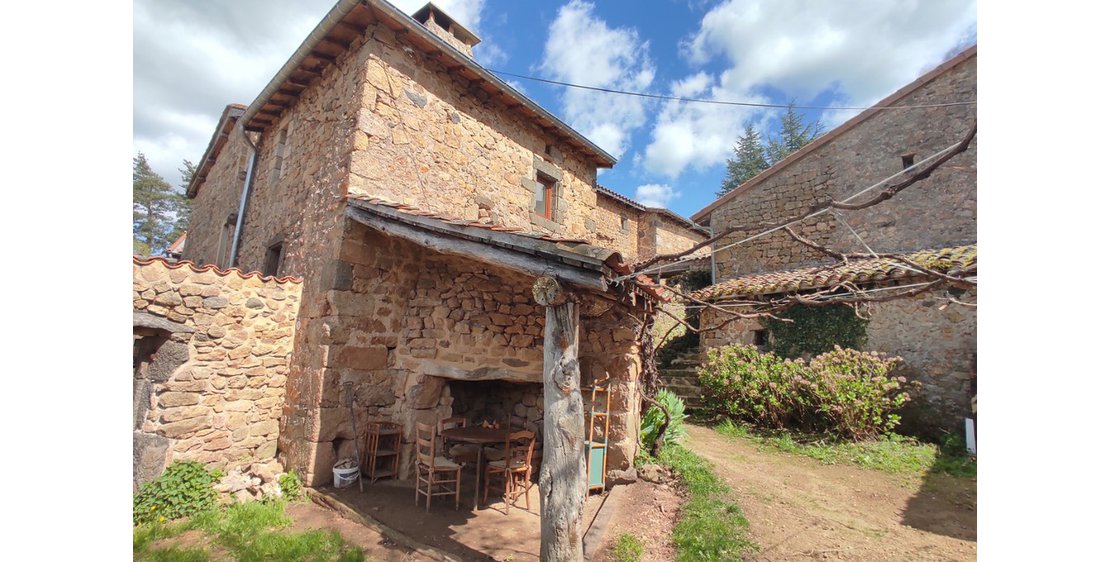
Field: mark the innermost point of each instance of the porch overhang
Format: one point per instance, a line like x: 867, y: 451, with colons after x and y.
x: 571, y: 261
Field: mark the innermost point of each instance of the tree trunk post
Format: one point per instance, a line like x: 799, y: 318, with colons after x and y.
x: 563, y: 471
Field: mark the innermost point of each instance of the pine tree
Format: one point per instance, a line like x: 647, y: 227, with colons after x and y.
x: 181, y: 202
x: 153, y: 208
x: 793, y: 134
x: 750, y: 160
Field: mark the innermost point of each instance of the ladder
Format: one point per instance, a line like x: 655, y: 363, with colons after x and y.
x: 597, y: 437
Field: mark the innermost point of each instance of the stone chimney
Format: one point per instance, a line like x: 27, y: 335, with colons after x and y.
x: 446, y: 28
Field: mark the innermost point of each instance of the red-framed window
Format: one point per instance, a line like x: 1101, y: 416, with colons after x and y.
x: 545, y: 197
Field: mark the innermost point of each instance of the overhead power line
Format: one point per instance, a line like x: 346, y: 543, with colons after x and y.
x: 723, y: 102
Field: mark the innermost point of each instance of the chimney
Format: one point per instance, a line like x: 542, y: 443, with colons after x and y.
x: 445, y: 27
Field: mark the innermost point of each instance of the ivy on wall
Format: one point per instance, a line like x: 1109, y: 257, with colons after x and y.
x: 815, y: 330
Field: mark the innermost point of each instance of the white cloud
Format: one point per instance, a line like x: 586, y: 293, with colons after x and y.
x: 583, y: 49
x: 861, y: 51
x: 656, y: 195
x: 193, y: 58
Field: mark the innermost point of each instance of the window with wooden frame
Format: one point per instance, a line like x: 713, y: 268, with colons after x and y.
x: 544, y: 204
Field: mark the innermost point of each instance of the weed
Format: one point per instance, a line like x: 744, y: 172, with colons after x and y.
x: 184, y: 489
x: 710, y: 528
x: 628, y: 548
x: 290, y: 486
x: 253, y: 531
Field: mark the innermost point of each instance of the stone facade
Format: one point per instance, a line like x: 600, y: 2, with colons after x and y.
x: 938, y: 345
x: 396, y: 321
x: 213, y: 390
x: 402, y: 321
x: 938, y: 212
x: 938, y: 348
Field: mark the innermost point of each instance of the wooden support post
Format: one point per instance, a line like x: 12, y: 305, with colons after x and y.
x: 563, y: 472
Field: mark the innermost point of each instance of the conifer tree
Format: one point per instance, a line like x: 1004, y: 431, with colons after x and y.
x: 750, y: 160
x: 793, y: 134
x: 153, y: 208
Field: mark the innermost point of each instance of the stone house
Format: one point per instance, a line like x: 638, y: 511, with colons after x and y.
x: 935, y: 219
x: 418, y: 196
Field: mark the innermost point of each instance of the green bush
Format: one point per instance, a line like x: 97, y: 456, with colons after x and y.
x: 652, y: 420
x: 290, y: 486
x: 184, y: 489
x: 843, y: 392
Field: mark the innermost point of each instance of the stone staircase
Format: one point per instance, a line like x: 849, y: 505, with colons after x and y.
x: 681, y: 378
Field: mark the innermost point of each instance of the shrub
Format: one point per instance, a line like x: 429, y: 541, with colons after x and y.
x: 184, y: 489
x: 855, y: 393
x: 844, y: 392
x: 653, y: 419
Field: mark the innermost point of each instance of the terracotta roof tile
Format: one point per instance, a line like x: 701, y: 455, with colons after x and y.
x: 876, y: 270
x: 221, y: 272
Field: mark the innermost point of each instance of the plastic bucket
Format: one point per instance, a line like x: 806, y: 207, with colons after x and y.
x: 343, y: 477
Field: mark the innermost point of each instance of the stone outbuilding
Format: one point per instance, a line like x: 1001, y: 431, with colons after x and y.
x: 419, y: 196
x: 935, y: 217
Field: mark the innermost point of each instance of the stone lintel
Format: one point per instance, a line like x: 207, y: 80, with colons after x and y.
x: 437, y: 369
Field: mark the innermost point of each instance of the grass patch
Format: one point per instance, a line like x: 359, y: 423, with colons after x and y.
x: 710, y: 528
x: 892, y: 453
x: 254, y: 531
x: 628, y: 548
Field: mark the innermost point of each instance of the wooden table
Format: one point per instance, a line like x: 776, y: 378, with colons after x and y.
x: 479, y: 436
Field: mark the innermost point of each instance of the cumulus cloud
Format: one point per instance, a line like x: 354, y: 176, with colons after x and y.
x: 858, y: 51
x: 656, y: 195
x: 193, y: 58
x: 583, y: 49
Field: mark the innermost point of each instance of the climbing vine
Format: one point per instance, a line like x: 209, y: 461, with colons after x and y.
x: 815, y: 330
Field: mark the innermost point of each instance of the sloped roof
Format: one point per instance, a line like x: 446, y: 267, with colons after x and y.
x: 534, y: 253
x: 848, y: 125
x: 178, y: 245
x: 345, y: 23
x: 231, y: 114
x: 656, y: 210
x: 875, y: 270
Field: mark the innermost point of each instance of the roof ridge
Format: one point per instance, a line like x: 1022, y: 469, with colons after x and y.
x: 138, y: 260
x: 844, y: 127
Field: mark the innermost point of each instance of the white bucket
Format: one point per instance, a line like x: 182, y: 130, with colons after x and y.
x: 343, y: 477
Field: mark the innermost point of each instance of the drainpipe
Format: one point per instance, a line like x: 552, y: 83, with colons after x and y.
x: 712, y: 257
x: 234, y: 256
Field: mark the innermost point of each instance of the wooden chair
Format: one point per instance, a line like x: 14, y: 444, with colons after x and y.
x: 515, y: 468
x: 383, y: 443
x: 460, y: 452
x: 429, y: 465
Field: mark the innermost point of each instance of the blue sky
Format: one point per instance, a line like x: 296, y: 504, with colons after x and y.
x: 193, y: 58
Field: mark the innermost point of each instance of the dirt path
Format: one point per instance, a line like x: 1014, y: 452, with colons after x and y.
x: 800, y: 509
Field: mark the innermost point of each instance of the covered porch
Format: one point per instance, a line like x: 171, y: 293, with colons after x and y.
x: 426, y: 317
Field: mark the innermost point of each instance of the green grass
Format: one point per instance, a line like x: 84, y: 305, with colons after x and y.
x: 891, y: 453
x: 255, y: 531
x: 628, y: 548
x: 710, y: 527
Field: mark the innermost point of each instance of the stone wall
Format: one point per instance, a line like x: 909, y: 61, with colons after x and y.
x: 937, y: 346
x: 216, y: 205
x: 937, y: 212
x: 428, y: 138
x: 613, y: 232
x: 212, y: 392
x: 401, y: 321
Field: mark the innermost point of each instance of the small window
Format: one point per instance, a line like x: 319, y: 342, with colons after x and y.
x: 624, y: 222
x: 759, y: 338
x: 545, y: 197
x: 280, y: 154
x: 907, y: 160
x: 275, y: 258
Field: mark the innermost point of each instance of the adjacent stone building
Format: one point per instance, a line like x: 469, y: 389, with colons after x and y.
x: 937, y: 215
x: 419, y: 196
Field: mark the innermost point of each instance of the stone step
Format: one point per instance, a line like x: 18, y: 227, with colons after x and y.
x: 672, y: 372
x: 684, y: 389
x: 687, y: 362
x: 684, y: 381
